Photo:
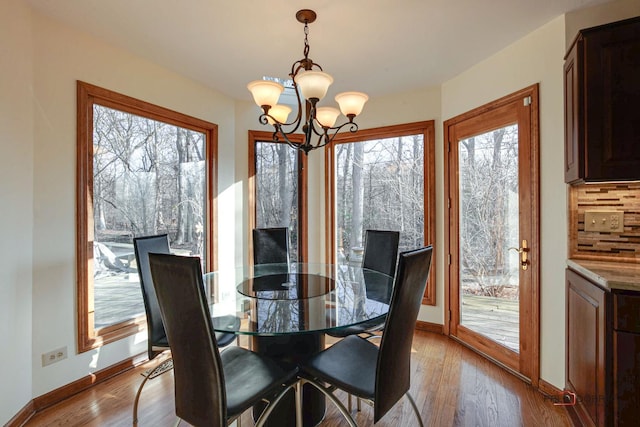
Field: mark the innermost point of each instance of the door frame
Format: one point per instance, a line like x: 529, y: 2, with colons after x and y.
x: 528, y: 366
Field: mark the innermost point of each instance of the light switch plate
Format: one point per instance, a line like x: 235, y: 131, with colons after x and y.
x: 606, y: 221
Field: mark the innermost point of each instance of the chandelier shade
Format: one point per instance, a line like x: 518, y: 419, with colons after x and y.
x: 327, y: 116
x: 310, y: 85
x: 265, y: 92
x: 313, y: 84
x: 280, y: 113
x: 351, y: 102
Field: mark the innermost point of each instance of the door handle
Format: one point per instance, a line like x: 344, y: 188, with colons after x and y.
x: 523, y: 251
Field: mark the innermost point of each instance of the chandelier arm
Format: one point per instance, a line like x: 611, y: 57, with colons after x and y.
x: 279, y: 131
x: 329, y: 138
x: 352, y: 129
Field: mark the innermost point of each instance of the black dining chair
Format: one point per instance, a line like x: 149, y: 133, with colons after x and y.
x: 212, y: 388
x: 271, y: 245
x: 378, y: 375
x: 157, y: 342
x: 380, y: 254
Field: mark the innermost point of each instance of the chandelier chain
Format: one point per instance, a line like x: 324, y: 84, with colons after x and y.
x: 306, y: 40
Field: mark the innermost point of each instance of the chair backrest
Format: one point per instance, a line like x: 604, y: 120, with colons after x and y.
x: 381, y: 251
x: 394, y: 359
x: 143, y: 246
x: 271, y: 245
x: 198, y: 379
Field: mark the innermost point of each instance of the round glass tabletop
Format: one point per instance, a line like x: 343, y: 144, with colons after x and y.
x: 280, y: 299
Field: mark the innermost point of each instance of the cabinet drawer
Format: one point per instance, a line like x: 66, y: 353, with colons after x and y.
x: 626, y: 312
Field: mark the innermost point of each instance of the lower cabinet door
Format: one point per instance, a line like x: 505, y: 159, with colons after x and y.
x: 586, y: 348
x: 626, y: 379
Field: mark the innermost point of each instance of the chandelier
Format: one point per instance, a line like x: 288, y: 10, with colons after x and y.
x: 310, y: 80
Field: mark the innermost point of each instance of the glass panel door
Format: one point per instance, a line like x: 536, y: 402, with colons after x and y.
x: 489, y: 235
x: 492, y: 230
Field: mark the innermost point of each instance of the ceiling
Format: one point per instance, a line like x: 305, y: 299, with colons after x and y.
x: 374, y: 46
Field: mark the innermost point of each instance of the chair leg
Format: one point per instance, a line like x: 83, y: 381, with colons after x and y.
x: 415, y: 409
x: 147, y: 377
x: 347, y: 416
x: 299, y: 404
x: 272, y: 404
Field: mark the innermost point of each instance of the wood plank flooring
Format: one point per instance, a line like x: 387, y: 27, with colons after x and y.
x: 452, y: 386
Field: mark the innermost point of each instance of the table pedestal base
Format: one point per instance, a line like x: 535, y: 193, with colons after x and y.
x: 293, y: 349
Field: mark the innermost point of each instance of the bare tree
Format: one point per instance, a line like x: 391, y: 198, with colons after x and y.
x: 488, y: 182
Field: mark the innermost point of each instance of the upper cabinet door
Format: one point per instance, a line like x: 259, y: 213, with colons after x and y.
x: 573, y: 118
x: 602, y: 121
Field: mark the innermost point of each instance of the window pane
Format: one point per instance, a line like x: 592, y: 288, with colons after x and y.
x: 489, y: 227
x: 149, y: 178
x: 277, y: 189
x: 379, y: 185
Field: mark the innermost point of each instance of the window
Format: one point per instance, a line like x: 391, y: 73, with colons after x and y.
x: 142, y: 170
x: 277, y: 189
x: 383, y: 179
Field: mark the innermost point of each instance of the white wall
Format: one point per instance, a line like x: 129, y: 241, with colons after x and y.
x: 61, y: 57
x: 537, y: 58
x: 16, y: 207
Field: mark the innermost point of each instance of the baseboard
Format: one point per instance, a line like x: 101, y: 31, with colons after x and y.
x: 429, y: 327
x: 58, y: 395
x: 556, y: 395
x: 22, y: 417
x: 548, y: 389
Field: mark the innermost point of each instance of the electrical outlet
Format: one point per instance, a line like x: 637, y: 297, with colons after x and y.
x: 54, y: 356
x: 605, y: 221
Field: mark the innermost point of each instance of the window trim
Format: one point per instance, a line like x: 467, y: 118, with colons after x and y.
x: 87, y: 95
x: 256, y: 136
x: 427, y: 129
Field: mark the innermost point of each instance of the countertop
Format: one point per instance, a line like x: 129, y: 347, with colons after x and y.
x: 609, y: 275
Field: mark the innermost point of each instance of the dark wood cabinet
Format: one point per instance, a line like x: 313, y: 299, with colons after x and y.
x: 626, y: 363
x: 601, y: 86
x: 603, y: 352
x: 587, y: 349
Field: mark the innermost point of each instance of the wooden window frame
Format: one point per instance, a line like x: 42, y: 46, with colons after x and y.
x: 88, y: 95
x: 427, y: 129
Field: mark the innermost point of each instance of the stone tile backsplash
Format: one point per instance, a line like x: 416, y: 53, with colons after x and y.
x: 619, y: 196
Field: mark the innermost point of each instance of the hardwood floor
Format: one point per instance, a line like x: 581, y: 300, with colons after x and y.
x: 452, y: 386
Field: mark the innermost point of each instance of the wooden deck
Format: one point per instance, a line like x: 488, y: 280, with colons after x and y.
x: 495, y: 318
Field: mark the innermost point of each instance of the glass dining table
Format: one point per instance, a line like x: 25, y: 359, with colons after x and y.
x: 286, y: 309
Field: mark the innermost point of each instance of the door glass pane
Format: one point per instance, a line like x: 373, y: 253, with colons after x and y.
x: 277, y: 190
x: 379, y: 185
x: 148, y: 178
x: 489, y: 227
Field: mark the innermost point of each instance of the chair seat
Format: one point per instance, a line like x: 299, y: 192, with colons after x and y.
x: 249, y: 377
x: 160, y: 344
x: 225, y: 322
x: 349, y: 364
x: 370, y: 326
x: 224, y: 338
